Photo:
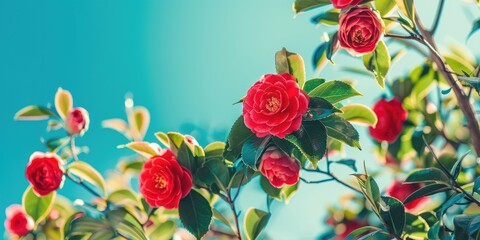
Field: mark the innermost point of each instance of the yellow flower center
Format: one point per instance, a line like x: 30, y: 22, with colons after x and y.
x: 160, y: 182
x: 273, y: 104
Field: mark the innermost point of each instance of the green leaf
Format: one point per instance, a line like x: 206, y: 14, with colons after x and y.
x: 55, y: 144
x: 408, y: 9
x: 334, y: 91
x: 139, y: 120
x: 164, y: 231
x: 325, y: 51
x: 292, y: 63
x: 319, y: 108
x: 329, y: 17
x: 118, y: 125
x: 253, y: 149
x: 384, y: 6
x: 214, y: 172
x: 255, y: 222
x: 89, y: 228
x: 238, y: 135
x: 450, y: 202
x: 475, y: 27
x: 476, y: 185
x: 130, y: 165
x: 458, y: 166
x: 473, y: 82
x: 195, y: 213
x: 393, y: 215
x: 372, y: 190
x: 426, y: 175
x: 416, y: 226
x: 305, y: 5
x: 218, y: 215
x: 214, y: 150
x: 34, y: 113
x: 185, y: 157
x: 163, y: 138
x: 311, y: 140
x: 466, y: 226
x: 378, y: 62
x: 338, y: 128
x: 359, y: 113
x: 269, y: 189
x: 142, y: 148
x: 123, y: 197
x: 125, y: 224
x: 63, y: 102
x: 427, y: 191
x: 37, y: 207
x: 351, y: 163
x: 87, y: 173
x: 175, y: 141
x: 357, y: 233
x: 312, y: 84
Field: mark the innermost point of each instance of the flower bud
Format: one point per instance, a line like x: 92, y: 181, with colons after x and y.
x: 77, y: 121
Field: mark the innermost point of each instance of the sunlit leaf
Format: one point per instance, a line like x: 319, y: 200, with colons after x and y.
x: 87, y: 173
x: 63, y: 102
x: 34, y: 113
x: 359, y: 113
x: 334, y: 91
x: 378, y: 62
x: 338, y: 128
x: 143, y: 148
x: 304, y: 5
x: 393, y: 215
x: 255, y: 222
x: 329, y: 17
x: 37, y: 207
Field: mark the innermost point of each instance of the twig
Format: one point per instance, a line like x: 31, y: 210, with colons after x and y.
x: 72, y: 148
x: 437, y: 17
x: 82, y: 183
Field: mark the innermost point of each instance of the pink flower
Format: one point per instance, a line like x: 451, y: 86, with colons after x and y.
x: 77, y: 121
x: 279, y: 168
x: 18, y: 222
x: 44, y: 172
x: 275, y: 105
x: 360, y: 30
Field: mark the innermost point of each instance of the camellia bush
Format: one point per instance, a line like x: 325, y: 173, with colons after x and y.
x: 425, y: 129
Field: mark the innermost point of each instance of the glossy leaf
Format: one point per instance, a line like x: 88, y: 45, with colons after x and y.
x: 319, y: 108
x: 143, y: 148
x: 219, y: 216
x: 473, y: 82
x: 393, y: 215
x: 329, y: 17
x: 466, y: 226
x: 426, y: 175
x: 385, y: 6
x: 123, y: 197
x: 185, y: 158
x: 55, y: 144
x: 34, y: 113
x: 325, y: 51
x: 255, y: 222
x: 449, y: 203
x: 87, y: 173
x: 378, y: 62
x: 292, y: 63
x: 427, y: 191
x: 37, y: 207
x: 312, y: 84
x: 139, y: 120
x: 195, y: 213
x: 164, y: 231
x: 63, y: 102
x: 253, y: 149
x: 359, y: 113
x: 125, y: 224
x: 163, y: 138
x: 338, y: 128
x: 457, y: 167
x: 94, y: 229
x: 214, y: 150
x: 359, y: 232
x: 408, y: 9
x: 214, y: 171
x: 475, y: 27
x: 305, y: 5
x: 334, y: 91
x: 311, y: 140
x: 238, y: 135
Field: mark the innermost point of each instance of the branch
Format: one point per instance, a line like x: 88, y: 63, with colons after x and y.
x: 437, y: 17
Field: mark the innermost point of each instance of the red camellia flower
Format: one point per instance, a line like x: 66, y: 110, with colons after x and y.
x: 360, y: 30
x: 18, y: 222
x: 163, y: 182
x: 44, y: 172
x: 349, y: 227
x: 401, y: 191
x: 275, y: 105
x: 77, y: 121
x: 279, y: 168
x: 345, y: 3
x: 391, y: 116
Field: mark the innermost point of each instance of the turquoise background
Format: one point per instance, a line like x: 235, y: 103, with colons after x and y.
x: 186, y: 61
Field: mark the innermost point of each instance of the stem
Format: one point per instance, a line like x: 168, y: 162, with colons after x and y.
x: 437, y: 17
x: 220, y: 232
x: 82, y: 183
x: 72, y: 148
